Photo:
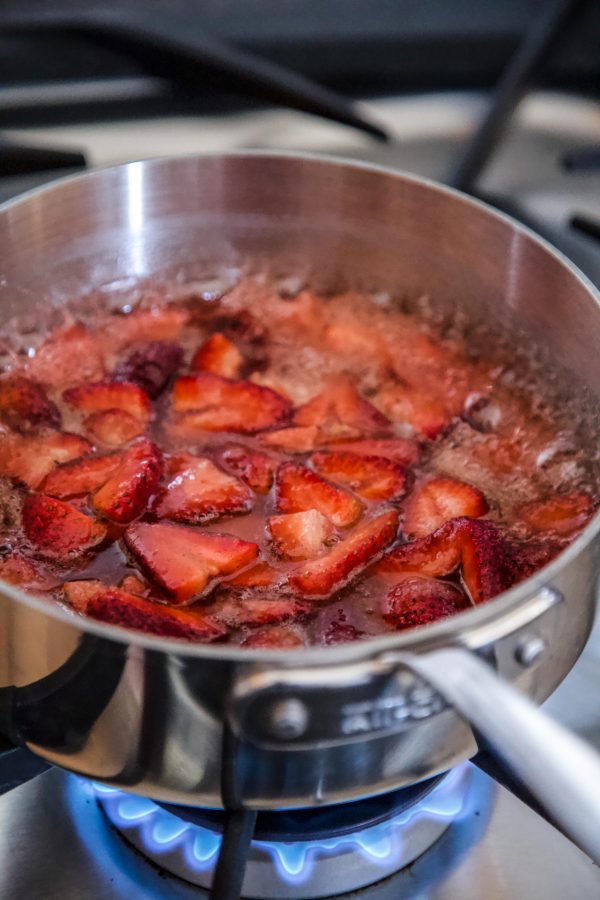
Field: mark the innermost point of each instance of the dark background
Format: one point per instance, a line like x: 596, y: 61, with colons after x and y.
x: 359, y: 47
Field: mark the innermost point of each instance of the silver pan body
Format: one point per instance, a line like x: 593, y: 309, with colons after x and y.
x: 147, y: 714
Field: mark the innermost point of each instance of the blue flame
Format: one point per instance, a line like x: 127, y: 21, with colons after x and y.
x: 159, y: 831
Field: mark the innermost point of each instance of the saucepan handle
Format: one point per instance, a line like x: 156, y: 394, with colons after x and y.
x: 559, y: 769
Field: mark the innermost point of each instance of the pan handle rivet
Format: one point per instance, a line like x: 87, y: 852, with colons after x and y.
x: 289, y: 718
x: 529, y: 649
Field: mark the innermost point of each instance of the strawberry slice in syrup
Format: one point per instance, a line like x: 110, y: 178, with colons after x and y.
x: 213, y: 403
x: 245, y: 612
x: 197, y: 490
x: 476, y: 546
x: 400, y: 450
x: 57, y: 530
x: 420, y: 408
x: 340, y: 408
x: 277, y: 637
x: 298, y: 489
x: 418, y: 601
x: 113, y: 427
x: 373, y: 477
x: 117, y: 607
x: 21, y: 399
x: 69, y: 355
x: 254, y: 468
x: 562, y: 515
x: 219, y: 355
x: 300, y: 535
x: 438, y: 500
x: 81, y: 476
x: 320, y: 577
x: 31, y: 457
x: 297, y: 439
x: 104, y: 395
x: 259, y: 576
x: 185, y: 562
x: 125, y: 495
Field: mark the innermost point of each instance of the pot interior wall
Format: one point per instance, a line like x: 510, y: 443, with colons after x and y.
x: 344, y: 225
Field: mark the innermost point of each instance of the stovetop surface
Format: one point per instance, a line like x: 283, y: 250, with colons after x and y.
x: 54, y: 841
x: 56, y: 845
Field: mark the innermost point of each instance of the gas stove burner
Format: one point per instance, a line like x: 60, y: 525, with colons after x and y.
x: 302, y: 854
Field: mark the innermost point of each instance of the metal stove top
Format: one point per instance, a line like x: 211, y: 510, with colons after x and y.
x: 55, y: 844
x: 54, y: 841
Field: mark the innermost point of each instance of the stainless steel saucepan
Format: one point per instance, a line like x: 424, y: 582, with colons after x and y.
x: 320, y: 725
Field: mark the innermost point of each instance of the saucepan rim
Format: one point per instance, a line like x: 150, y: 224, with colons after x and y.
x: 443, y: 632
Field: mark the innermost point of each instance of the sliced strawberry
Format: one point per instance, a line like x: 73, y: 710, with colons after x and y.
x: 485, y: 563
x: 185, y: 562
x: 150, y: 366
x: 352, y: 337
x: 562, y: 514
x: 113, y: 427
x: 340, y: 407
x: 22, y: 400
x: 526, y: 557
x: 25, y: 573
x: 117, y: 607
x: 347, y: 559
x: 269, y: 380
x: 299, y: 489
x: 57, y: 530
x: 241, y: 612
x: 134, y: 585
x: 421, y: 409
x: 297, y: 439
x: 219, y: 355
x: 31, y: 457
x: 275, y: 638
x: 248, y: 333
x: 436, y: 554
x: 373, y: 477
x: 80, y: 476
x: 418, y: 601
x: 438, y: 500
x: 78, y: 593
x: 300, y: 535
x: 476, y: 545
x: 254, y: 468
x: 125, y: 495
x: 98, y: 396
x: 260, y: 575
x: 214, y: 403
x: 161, y: 323
x: 70, y: 354
x: 400, y: 450
x: 197, y: 490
